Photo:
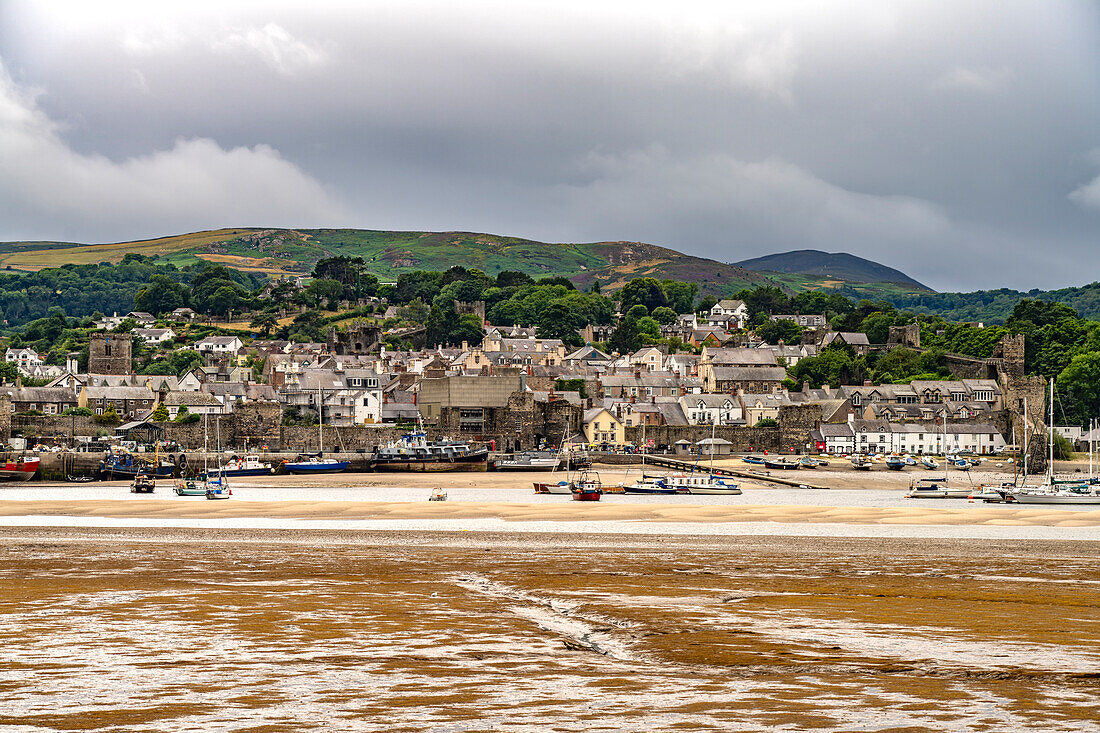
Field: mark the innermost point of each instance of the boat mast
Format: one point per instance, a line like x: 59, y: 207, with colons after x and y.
x: 713, y: 428
x: 1050, y: 467
x: 320, y: 419
x: 1027, y: 441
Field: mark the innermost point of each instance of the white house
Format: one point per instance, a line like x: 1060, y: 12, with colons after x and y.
x: 728, y: 314
x: 881, y: 436
x: 155, y: 336
x: 220, y: 345
x: 24, y: 359
x: 712, y: 409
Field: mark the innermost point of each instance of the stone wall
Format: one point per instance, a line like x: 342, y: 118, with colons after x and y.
x: 5, y: 417
x: 795, y: 424
x: 744, y: 439
x: 53, y: 426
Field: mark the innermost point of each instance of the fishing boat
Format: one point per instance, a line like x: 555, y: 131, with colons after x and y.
x: 587, y: 487
x: 786, y: 464
x: 528, y: 460
x: 414, y: 452
x: 895, y: 463
x: 862, y: 463
x: 754, y: 460
x: 438, y: 495
x: 120, y: 463
x: 143, y: 484
x: 21, y: 469
x: 250, y: 465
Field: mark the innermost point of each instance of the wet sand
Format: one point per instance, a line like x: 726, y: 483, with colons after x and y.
x: 921, y: 513
x: 167, y: 630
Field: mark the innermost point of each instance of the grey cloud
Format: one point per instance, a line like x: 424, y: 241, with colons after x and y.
x: 194, y: 184
x: 944, y: 139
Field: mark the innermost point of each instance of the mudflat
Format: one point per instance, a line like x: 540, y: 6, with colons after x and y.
x: 290, y: 630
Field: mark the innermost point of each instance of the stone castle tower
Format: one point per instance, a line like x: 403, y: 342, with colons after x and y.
x: 110, y: 353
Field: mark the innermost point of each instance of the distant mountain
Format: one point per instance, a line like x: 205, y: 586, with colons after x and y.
x: 836, y: 266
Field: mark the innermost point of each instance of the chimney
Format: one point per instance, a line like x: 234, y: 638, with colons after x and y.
x: 465, y: 346
x: 867, y: 383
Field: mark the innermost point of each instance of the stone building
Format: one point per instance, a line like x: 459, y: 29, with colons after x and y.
x: 361, y: 337
x: 110, y: 353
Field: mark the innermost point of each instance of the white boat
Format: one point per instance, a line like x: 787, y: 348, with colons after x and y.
x: 561, y: 487
x: 1055, y: 491
x: 935, y: 488
x: 438, y: 495
x: 648, y: 484
x: 530, y: 460
x: 250, y: 465
x: 700, y: 483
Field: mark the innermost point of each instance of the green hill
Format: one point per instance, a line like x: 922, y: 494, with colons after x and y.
x: 282, y: 252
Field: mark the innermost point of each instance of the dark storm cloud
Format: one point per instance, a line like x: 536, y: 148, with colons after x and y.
x: 956, y: 143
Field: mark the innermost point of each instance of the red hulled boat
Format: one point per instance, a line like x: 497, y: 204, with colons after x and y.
x: 18, y: 470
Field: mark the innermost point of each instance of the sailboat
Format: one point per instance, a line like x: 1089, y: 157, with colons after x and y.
x: 561, y: 487
x: 937, y: 488
x: 316, y: 462
x: 647, y: 484
x: 705, y: 482
x: 1055, y: 491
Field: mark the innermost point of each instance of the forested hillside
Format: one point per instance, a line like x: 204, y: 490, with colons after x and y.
x: 995, y: 306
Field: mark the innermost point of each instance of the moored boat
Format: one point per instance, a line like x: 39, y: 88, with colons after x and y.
x: 561, y: 487
x: 414, y: 452
x: 786, y: 464
x: 935, y: 488
x: 438, y: 495
x: 190, y: 487
x: 648, y: 484
x: 809, y: 462
x: 310, y: 463
x: 895, y: 463
x: 250, y: 465
x: 529, y: 460
x: 123, y: 464
x: 702, y: 482
x: 754, y: 460
x: 143, y: 484
x: 929, y: 462
x: 862, y: 463
x: 587, y: 487
x: 21, y: 469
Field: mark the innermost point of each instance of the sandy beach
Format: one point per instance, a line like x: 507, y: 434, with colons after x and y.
x: 509, y: 497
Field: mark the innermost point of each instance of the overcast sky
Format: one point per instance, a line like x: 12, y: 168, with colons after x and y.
x: 958, y: 142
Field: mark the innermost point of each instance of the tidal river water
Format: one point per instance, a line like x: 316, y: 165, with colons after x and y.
x: 176, y: 629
